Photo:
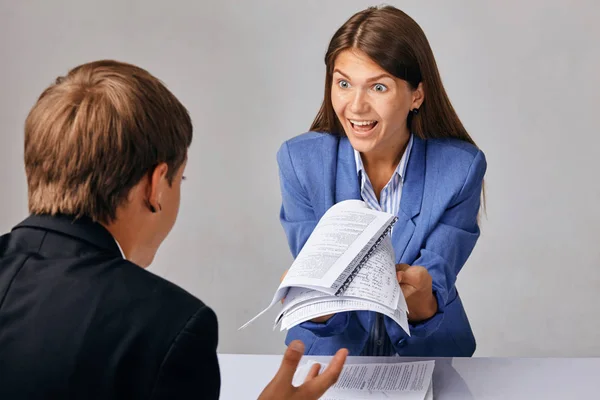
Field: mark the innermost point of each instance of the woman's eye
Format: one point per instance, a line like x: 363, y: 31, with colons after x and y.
x: 344, y: 84
x: 380, y: 88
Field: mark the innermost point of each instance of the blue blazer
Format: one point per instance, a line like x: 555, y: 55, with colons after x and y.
x: 437, y: 228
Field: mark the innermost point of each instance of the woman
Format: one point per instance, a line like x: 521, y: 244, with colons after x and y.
x: 387, y: 134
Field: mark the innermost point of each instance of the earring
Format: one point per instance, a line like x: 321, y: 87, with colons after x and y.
x: 415, y: 111
x: 152, y: 208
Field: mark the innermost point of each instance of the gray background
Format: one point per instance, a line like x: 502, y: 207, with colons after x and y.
x: 523, y: 76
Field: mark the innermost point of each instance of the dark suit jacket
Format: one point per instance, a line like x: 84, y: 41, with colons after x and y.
x: 77, y: 320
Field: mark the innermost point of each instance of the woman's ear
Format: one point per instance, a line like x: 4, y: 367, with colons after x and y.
x: 157, y: 182
x: 418, y: 96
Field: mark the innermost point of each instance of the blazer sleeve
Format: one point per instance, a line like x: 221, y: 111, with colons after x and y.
x: 190, y: 369
x: 299, y: 220
x: 448, y: 247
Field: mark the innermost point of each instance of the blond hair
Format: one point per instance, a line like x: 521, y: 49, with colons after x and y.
x: 95, y: 133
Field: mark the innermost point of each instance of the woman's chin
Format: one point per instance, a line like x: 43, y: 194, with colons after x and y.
x: 361, y: 145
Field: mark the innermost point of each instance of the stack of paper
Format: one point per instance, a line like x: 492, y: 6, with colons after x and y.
x: 375, y: 288
x: 409, y: 381
x: 347, y: 264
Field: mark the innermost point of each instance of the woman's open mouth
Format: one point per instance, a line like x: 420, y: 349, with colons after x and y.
x: 362, y: 127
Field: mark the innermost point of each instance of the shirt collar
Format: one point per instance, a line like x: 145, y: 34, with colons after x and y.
x: 120, y: 249
x: 400, y: 169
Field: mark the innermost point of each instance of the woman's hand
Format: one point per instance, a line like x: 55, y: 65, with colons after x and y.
x: 416, y: 285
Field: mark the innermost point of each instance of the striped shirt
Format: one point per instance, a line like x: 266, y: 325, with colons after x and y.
x: 378, y: 343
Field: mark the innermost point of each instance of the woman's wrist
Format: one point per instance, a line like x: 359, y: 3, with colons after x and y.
x: 428, y: 308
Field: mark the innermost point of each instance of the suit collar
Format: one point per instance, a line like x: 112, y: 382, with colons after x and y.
x: 347, y: 185
x: 79, y: 228
x: 414, y: 180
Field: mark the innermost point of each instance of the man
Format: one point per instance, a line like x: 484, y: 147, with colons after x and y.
x: 80, y: 317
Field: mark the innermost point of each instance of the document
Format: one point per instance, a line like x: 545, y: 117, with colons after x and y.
x: 347, y: 264
x: 344, y: 235
x: 409, y: 380
x: 332, y: 306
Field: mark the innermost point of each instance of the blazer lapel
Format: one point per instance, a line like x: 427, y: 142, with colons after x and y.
x: 347, y: 186
x: 412, y: 196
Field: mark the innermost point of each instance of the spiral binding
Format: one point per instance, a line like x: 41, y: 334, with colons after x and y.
x: 350, y: 278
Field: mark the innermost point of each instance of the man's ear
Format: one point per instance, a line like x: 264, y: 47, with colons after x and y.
x: 157, y: 180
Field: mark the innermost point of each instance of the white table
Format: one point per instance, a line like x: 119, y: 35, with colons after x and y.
x: 245, y: 376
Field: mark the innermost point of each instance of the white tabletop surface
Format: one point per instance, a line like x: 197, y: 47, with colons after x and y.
x: 245, y: 376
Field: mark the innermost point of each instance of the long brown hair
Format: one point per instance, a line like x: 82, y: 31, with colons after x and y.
x: 398, y: 44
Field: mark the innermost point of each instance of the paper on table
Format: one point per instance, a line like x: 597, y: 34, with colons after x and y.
x: 346, y: 396
x: 410, y: 380
x: 429, y: 394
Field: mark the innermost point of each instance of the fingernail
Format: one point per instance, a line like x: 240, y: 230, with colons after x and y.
x: 298, y: 346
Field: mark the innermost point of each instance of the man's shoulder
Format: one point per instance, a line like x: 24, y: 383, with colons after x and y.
x: 135, y: 283
x: 155, y: 311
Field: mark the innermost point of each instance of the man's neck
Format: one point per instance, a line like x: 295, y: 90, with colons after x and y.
x: 124, y: 233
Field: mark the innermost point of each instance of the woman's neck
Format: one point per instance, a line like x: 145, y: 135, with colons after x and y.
x: 387, y: 154
x: 380, y: 165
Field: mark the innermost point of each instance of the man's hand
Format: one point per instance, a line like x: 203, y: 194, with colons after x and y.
x: 416, y: 285
x: 319, y: 320
x: 313, y: 387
